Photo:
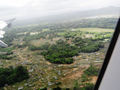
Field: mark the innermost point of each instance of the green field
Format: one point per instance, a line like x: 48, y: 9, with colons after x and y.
x: 98, y: 30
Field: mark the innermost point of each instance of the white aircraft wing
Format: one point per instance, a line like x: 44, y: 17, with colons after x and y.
x: 4, y: 24
x: 2, y: 44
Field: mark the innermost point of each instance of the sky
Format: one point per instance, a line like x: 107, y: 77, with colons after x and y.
x: 31, y: 8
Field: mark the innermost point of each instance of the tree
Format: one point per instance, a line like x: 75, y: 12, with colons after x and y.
x: 12, y: 75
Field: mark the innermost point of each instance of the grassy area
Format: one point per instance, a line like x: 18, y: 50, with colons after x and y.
x: 99, y: 30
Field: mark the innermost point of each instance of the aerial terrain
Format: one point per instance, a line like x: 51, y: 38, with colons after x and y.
x: 57, y: 54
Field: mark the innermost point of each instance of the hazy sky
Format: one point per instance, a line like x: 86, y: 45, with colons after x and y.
x: 22, y: 8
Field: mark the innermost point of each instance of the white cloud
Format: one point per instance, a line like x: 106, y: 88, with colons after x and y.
x: 47, y: 7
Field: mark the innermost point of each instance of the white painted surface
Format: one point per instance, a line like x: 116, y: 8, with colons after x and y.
x: 111, y: 79
x: 2, y: 25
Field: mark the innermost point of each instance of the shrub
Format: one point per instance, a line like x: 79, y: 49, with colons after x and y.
x: 12, y: 75
x: 91, y: 71
x: 84, y: 78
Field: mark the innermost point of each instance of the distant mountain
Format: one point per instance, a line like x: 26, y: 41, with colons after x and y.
x: 106, y: 12
x: 103, y: 12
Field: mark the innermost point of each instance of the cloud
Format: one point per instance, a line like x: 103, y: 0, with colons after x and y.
x: 21, y: 8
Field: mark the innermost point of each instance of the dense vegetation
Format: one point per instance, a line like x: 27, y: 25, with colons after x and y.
x: 92, y: 47
x: 87, y: 45
x: 6, y: 56
x: 12, y: 75
x: 6, y: 53
x: 60, y: 53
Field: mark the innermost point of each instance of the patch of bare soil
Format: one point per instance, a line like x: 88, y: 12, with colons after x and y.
x: 94, y: 79
x: 73, y: 75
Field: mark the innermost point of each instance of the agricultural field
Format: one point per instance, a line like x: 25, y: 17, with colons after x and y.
x: 55, y: 57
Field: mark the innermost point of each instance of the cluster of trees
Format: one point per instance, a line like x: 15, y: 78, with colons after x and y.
x: 69, y: 35
x: 92, y: 47
x: 12, y: 75
x: 33, y: 48
x: 79, y: 42
x: 6, y: 53
x: 60, y: 53
x: 102, y: 36
x: 4, y: 56
x: 87, y: 45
